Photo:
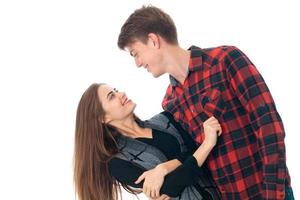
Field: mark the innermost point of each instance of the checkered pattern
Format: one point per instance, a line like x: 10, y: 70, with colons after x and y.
x: 248, y: 161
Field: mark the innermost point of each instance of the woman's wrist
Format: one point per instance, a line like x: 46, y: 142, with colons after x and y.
x: 163, y: 168
x: 208, y: 145
x: 202, y: 152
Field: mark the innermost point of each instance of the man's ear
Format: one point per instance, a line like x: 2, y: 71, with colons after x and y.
x: 154, y: 40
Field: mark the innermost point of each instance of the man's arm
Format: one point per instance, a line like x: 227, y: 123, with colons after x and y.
x: 249, y: 86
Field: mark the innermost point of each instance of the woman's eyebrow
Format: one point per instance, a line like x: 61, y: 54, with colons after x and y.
x: 111, y: 92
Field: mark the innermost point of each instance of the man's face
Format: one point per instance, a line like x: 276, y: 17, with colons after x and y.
x: 147, y: 55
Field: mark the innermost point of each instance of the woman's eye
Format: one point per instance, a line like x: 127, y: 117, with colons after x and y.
x: 112, y: 96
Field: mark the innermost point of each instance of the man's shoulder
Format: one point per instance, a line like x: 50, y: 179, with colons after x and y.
x: 219, y: 51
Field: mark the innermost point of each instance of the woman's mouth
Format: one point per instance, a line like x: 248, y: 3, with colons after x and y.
x: 126, y: 100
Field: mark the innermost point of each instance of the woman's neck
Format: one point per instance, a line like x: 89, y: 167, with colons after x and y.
x: 129, y: 127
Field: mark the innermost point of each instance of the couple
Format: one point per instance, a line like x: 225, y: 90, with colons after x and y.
x: 176, y: 154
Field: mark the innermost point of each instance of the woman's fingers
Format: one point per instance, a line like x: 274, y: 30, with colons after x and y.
x: 146, y: 191
x: 211, y: 121
x: 154, y: 193
x: 142, y: 177
x: 212, y: 118
x: 162, y: 197
x: 157, y: 192
x: 218, y: 129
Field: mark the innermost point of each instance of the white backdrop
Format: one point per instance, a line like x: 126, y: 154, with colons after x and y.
x: 51, y: 51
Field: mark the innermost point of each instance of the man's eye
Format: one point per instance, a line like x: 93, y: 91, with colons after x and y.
x: 116, y: 90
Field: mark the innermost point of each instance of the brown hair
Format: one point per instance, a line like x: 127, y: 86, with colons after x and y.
x: 95, y: 145
x: 148, y: 19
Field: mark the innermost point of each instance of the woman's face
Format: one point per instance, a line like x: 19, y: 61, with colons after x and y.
x: 116, y: 105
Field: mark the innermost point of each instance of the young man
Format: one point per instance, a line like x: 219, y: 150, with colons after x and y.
x: 249, y: 159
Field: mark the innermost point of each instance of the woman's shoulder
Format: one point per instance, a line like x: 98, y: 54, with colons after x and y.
x: 165, y: 118
x: 116, y: 164
x: 162, y: 117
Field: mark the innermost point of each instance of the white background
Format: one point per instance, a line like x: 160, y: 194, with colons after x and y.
x: 51, y: 51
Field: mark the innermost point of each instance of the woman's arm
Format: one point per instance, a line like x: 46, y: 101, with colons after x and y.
x: 173, y: 184
x: 212, y: 129
x: 153, y: 179
x: 169, y: 166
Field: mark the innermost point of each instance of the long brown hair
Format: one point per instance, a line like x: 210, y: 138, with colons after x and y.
x: 95, y: 145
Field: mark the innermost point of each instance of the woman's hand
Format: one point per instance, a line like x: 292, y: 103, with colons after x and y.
x: 212, y: 129
x: 162, y: 197
x: 154, y: 179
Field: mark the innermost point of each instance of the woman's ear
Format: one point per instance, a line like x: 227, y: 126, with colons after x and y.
x: 105, y: 119
x: 154, y: 39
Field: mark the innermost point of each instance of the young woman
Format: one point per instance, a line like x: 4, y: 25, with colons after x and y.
x: 114, y: 148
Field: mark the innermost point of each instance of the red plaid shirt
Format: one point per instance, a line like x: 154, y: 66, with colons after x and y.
x: 248, y: 161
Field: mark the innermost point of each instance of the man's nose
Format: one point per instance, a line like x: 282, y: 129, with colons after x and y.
x: 138, y: 62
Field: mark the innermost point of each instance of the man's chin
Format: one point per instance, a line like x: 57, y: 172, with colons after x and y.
x: 156, y: 75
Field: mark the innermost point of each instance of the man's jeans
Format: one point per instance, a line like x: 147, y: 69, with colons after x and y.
x: 289, y: 193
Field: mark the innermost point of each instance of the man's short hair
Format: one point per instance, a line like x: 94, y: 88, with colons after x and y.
x: 148, y: 19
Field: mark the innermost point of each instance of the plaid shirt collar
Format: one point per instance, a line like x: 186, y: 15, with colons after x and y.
x: 195, y: 63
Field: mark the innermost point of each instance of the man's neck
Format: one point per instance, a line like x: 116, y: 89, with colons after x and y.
x: 178, y: 63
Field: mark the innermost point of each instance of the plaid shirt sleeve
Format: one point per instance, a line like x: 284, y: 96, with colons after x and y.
x: 246, y: 82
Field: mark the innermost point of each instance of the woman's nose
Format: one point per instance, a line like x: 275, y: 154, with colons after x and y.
x: 121, y: 94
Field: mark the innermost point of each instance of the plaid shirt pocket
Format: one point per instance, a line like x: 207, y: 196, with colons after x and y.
x: 210, y: 104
